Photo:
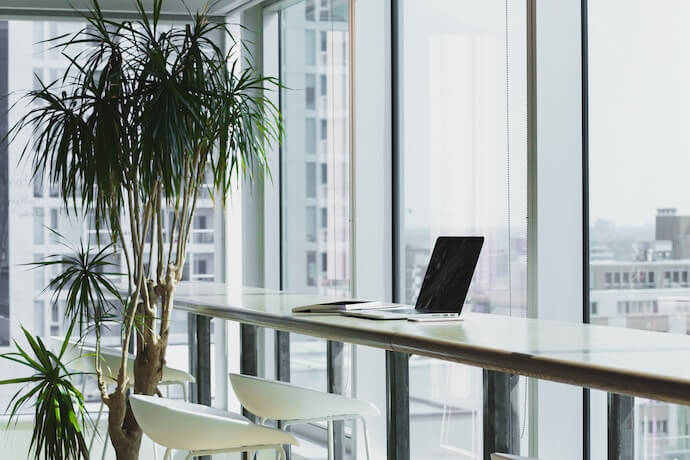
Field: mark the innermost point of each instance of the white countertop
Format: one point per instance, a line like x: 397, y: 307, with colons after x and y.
x: 640, y: 363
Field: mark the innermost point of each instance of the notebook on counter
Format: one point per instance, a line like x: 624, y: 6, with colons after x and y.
x: 340, y: 306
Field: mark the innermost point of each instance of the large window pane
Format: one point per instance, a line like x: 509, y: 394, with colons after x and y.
x: 315, y: 170
x: 28, y: 208
x: 639, y: 205
x: 462, y: 172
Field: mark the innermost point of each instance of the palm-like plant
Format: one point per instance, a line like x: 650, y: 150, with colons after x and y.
x: 58, y: 404
x: 128, y: 135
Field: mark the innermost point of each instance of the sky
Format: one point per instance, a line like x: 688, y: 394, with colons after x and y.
x: 454, y: 113
x: 639, y: 88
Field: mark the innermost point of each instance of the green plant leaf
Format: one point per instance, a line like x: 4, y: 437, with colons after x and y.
x: 59, y: 411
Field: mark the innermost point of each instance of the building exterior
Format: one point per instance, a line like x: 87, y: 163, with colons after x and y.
x: 650, y: 292
x: 316, y: 150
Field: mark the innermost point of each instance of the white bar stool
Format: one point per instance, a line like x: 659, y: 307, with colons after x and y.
x: 203, y: 430
x: 293, y: 405
x: 82, y: 358
x: 498, y: 456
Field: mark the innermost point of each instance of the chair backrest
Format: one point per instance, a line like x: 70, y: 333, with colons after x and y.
x: 187, y: 426
x: 283, y: 401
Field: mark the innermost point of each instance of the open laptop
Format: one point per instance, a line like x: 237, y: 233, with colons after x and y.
x: 445, y: 284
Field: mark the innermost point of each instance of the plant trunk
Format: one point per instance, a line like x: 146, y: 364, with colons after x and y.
x: 125, y: 433
x: 126, y: 436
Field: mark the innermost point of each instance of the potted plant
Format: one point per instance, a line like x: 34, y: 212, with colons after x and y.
x: 141, y: 119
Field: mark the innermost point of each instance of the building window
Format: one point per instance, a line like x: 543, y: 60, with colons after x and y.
x: 39, y: 225
x: 38, y: 185
x: 310, y: 47
x: 593, y: 308
x: 309, y: 10
x: 310, y: 135
x: 324, y: 129
x: 54, y: 225
x: 608, y: 277
x: 324, y: 218
x: 323, y: 85
x: 310, y: 179
x: 310, y: 91
x: 310, y: 223
x: 324, y: 42
x: 311, y: 268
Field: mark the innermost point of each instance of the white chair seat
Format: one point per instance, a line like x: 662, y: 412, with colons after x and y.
x: 281, y: 401
x: 193, y: 427
x: 81, y: 358
x: 510, y: 457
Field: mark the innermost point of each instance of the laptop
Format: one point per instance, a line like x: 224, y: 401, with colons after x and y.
x: 445, y: 285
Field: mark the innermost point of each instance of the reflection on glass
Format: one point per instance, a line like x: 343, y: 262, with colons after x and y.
x: 463, y: 172
x: 639, y: 202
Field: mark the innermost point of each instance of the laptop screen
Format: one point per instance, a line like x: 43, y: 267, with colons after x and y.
x: 449, y: 274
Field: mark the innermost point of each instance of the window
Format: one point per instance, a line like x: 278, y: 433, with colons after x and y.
x: 54, y: 225
x: 310, y: 179
x: 310, y: 135
x: 24, y: 222
x: 311, y: 223
x: 462, y: 172
x: 311, y: 268
x: 38, y: 186
x: 39, y: 225
x: 310, y: 91
x: 315, y: 251
x: 310, y: 47
x: 323, y: 85
x: 324, y: 218
x: 324, y: 41
x: 324, y: 129
x: 638, y: 99
x: 309, y: 10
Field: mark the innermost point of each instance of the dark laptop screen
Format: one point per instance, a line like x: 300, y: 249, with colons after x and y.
x: 449, y: 273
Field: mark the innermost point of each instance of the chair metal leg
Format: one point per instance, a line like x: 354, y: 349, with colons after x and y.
x: 281, y: 453
x: 95, y: 426
x: 331, y: 441
x: 168, y: 454
x: 366, y: 437
x: 105, y: 444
